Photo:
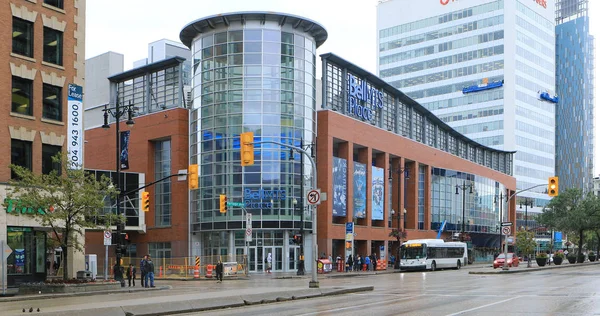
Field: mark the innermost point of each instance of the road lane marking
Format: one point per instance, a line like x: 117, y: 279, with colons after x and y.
x: 483, y: 306
x: 361, y: 305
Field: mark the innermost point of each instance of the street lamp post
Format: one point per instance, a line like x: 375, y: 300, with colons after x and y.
x: 401, y: 211
x: 528, y: 202
x: 301, y: 268
x: 117, y: 113
x: 463, y: 187
x: 500, y: 198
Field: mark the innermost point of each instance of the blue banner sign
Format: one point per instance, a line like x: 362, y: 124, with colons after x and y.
x: 363, y: 99
x: 349, y: 228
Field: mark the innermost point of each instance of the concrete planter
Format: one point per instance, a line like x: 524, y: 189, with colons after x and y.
x: 46, y: 288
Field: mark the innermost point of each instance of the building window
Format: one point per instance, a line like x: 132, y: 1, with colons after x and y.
x: 162, y: 192
x: 22, y: 37
x: 55, y: 3
x: 52, y: 102
x: 53, y: 42
x: 22, y: 96
x: 49, y: 151
x: 20, y: 154
x: 159, y: 250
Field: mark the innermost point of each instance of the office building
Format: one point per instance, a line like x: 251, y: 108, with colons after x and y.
x: 44, y: 70
x: 503, y: 50
x: 575, y: 84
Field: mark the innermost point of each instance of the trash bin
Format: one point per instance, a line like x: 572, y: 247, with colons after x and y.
x: 84, y: 275
x: 324, y: 266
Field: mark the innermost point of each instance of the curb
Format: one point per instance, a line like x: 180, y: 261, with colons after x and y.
x: 239, y: 301
x: 17, y: 298
x: 570, y: 265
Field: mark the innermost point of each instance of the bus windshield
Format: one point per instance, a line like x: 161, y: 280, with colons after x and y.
x: 412, y: 252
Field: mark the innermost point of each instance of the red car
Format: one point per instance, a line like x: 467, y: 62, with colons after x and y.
x: 513, y: 261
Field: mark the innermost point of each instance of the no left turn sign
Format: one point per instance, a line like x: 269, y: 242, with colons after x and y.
x: 506, y: 230
x: 314, y: 197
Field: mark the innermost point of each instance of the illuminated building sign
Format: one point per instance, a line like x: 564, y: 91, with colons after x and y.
x: 362, y: 99
x: 259, y: 199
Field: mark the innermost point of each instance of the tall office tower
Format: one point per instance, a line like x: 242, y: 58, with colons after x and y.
x: 575, y: 86
x: 503, y: 50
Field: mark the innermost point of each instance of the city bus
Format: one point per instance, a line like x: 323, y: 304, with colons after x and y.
x: 432, y: 254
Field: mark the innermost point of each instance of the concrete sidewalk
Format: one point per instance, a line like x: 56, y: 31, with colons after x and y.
x: 208, y: 299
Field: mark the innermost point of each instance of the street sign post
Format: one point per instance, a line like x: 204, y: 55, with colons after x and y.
x: 506, y: 230
x: 6, y: 251
x: 107, y: 238
x: 107, y: 241
x: 507, y: 224
x: 248, y: 227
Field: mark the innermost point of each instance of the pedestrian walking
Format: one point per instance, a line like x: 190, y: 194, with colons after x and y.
x: 131, y: 274
x: 143, y: 270
x: 349, y: 264
x: 374, y: 262
x: 269, y: 262
x: 367, y: 263
x: 149, y: 272
x: 219, y: 271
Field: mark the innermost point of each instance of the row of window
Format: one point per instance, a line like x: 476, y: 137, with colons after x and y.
x: 490, y: 141
x: 442, y: 47
x: 534, y: 72
x: 22, y: 99
x: 449, y: 31
x: 449, y: 74
x: 472, y: 114
x: 443, y: 61
x: 533, y: 158
x: 443, y: 18
x: 537, y: 46
x: 23, y: 41
x: 480, y: 97
x: 451, y: 88
x: 531, y: 144
x: 481, y: 127
x: 21, y: 154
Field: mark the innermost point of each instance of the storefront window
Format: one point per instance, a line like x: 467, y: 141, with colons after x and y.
x: 20, y: 241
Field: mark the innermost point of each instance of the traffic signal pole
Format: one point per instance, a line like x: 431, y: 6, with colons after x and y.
x: 314, y: 282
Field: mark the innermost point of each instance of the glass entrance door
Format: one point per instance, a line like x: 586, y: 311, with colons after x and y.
x: 256, y: 259
x: 294, y: 258
x: 276, y: 257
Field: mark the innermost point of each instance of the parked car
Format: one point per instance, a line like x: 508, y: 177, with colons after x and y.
x: 512, y: 261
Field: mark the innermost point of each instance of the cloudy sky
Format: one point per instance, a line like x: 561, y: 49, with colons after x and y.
x: 127, y: 26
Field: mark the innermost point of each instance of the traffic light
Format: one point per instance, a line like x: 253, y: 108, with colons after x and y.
x: 247, y: 148
x: 146, y: 201
x: 298, y: 239
x: 193, y: 176
x: 223, y: 203
x: 553, y: 186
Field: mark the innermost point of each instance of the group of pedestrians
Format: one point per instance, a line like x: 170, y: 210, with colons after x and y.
x: 146, y: 269
x: 359, y: 263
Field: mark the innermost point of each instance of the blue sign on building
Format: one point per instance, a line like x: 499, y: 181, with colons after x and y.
x: 362, y: 99
x: 260, y: 199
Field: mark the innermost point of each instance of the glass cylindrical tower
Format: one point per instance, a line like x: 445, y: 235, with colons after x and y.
x: 252, y: 72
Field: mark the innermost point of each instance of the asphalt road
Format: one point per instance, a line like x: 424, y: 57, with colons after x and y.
x: 573, y: 291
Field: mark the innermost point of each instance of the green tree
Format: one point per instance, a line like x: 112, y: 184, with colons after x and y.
x: 68, y: 202
x: 572, y: 212
x: 525, y: 243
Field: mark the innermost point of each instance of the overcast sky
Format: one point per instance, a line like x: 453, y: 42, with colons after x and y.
x: 127, y: 26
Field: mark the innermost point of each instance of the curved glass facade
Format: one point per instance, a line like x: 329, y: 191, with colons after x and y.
x: 252, y: 79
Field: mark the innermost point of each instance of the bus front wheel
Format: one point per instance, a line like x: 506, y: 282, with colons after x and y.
x: 433, y: 266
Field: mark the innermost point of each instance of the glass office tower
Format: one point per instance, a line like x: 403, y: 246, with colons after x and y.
x: 575, y: 84
x: 432, y: 50
x: 252, y: 72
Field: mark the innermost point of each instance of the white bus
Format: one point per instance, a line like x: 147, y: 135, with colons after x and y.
x: 432, y: 254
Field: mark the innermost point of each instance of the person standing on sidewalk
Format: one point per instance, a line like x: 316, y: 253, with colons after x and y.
x: 219, y: 271
x: 143, y: 269
x: 149, y: 272
x: 131, y: 274
x: 349, y: 264
x: 367, y: 263
x: 269, y: 263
